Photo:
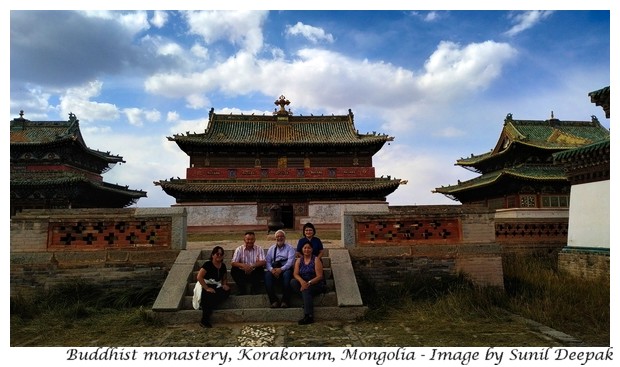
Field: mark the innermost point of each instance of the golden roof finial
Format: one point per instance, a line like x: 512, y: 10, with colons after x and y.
x: 282, y: 102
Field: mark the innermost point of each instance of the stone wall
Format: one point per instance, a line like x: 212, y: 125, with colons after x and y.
x: 431, y: 240
x: 588, y: 263
x: 115, y: 247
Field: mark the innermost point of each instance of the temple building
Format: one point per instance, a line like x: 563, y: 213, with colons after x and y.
x: 52, y: 168
x: 519, y: 172
x: 245, y: 168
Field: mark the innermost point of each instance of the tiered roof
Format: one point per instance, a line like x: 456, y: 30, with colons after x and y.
x: 51, y: 159
x: 30, y: 136
x: 524, y: 152
x: 281, y: 131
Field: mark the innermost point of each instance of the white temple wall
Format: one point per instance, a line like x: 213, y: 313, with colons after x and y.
x: 588, y: 221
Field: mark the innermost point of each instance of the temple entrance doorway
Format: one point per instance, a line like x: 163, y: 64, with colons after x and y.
x: 288, y: 216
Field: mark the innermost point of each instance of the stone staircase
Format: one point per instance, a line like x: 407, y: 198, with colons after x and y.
x: 342, y: 301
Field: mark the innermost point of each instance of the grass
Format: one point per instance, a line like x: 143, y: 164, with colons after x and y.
x: 419, y: 312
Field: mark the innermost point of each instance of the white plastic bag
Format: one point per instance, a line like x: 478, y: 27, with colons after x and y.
x: 197, y: 294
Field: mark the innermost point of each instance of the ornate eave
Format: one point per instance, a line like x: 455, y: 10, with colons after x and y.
x: 377, y: 188
x: 69, y: 187
x: 282, y: 129
x: 60, y: 178
x: 522, y: 173
x: 601, y: 98
x: 590, y: 163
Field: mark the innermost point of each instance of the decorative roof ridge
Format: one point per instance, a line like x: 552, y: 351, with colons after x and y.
x: 551, y: 121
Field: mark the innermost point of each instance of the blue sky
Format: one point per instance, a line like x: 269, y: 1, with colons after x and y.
x: 441, y: 82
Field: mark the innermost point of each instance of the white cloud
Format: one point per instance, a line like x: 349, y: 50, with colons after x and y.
x: 424, y: 171
x: 34, y: 101
x: 78, y: 101
x: 197, y: 101
x: 172, y: 116
x: 200, y: 51
x: 148, y: 158
x: 133, y: 22
x: 431, y: 16
x: 243, y: 28
x: 453, y: 70
x: 159, y: 19
x: 133, y: 116
x: 170, y: 49
x: 136, y: 116
x: 313, y: 34
x: 152, y: 115
x: 526, y: 20
x: 330, y: 80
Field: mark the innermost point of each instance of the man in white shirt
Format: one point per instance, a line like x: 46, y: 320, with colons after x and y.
x: 248, y: 265
x: 280, y: 262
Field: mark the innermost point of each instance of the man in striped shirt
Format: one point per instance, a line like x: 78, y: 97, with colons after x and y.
x: 248, y: 265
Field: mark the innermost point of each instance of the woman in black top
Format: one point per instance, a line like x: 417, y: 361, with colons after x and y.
x: 212, y: 277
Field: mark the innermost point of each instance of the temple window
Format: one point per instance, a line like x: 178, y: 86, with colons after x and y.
x: 497, y: 203
x: 555, y: 201
x: 528, y: 201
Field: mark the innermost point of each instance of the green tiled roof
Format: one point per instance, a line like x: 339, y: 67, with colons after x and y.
x: 602, y: 146
x: 65, y: 178
x: 26, y: 134
x: 522, y: 172
x: 551, y: 135
x: 254, y: 130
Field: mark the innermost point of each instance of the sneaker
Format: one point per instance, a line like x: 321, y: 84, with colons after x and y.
x: 275, y: 304
x: 284, y: 305
x: 205, y: 324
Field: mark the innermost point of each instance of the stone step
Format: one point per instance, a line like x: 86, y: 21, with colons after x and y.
x: 227, y: 261
x: 189, y: 290
x: 228, y: 254
x: 263, y: 315
x: 341, y: 302
x: 262, y: 301
x: 327, y: 274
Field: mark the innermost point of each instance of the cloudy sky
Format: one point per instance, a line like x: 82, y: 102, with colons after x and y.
x: 441, y: 82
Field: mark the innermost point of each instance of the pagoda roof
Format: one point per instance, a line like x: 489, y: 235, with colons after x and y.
x: 548, y: 135
x: 67, y: 178
x: 282, y: 129
x: 27, y: 134
x: 520, y: 172
x: 281, y: 186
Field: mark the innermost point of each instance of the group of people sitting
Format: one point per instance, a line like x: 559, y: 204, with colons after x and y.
x: 294, y: 270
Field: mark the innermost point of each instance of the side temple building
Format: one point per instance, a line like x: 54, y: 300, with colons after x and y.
x: 53, y: 168
x: 244, y: 169
x: 519, y: 172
